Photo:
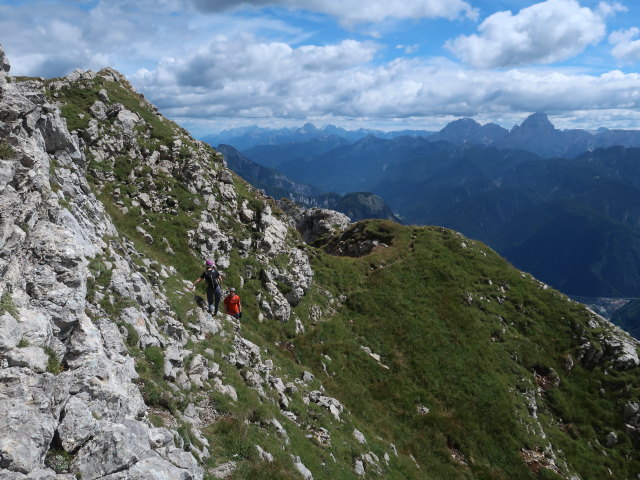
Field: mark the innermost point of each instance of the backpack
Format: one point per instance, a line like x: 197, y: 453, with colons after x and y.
x: 212, y: 277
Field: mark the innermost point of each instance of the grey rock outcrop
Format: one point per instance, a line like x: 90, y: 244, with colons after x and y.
x: 4, y: 62
x: 66, y: 381
x: 315, y: 223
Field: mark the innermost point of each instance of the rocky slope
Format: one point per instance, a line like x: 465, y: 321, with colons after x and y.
x: 388, y: 352
x: 76, y: 293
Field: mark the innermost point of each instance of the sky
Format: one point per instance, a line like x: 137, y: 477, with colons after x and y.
x: 390, y: 64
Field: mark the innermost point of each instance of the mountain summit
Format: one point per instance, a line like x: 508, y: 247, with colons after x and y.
x: 536, y: 123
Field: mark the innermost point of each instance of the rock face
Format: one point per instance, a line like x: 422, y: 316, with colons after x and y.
x: 66, y: 382
x: 315, y: 223
x: 78, y: 297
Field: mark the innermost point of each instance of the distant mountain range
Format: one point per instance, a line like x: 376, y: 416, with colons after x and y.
x: 356, y: 205
x: 535, y: 134
x: 575, y: 223
x: 247, y: 137
x: 556, y: 203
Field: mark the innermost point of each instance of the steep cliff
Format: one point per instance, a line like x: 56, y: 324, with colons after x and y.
x: 383, y: 352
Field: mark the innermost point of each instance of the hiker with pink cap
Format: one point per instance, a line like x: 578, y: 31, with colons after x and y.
x: 214, y: 279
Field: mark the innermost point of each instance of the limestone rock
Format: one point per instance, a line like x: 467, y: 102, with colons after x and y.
x: 265, y: 456
x: 357, y: 434
x: 316, y: 223
x: 304, y: 471
x: 30, y: 406
x: 4, y: 63
x: 33, y: 358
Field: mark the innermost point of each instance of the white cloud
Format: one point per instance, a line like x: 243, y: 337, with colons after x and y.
x: 273, y: 75
x: 545, y: 32
x: 626, y: 44
x: 607, y: 9
x: 409, y: 49
x: 240, y: 78
x: 352, y: 12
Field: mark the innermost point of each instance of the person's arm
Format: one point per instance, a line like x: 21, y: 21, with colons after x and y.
x: 196, y: 282
x: 239, y: 304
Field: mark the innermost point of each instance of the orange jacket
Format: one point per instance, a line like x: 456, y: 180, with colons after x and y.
x: 232, y: 304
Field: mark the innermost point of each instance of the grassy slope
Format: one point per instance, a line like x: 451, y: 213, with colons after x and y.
x: 468, y: 362
x: 461, y: 360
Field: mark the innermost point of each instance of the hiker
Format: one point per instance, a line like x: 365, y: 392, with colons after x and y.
x: 214, y: 280
x: 232, y: 304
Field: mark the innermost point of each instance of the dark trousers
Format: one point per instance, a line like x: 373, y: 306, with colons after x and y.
x: 214, y: 295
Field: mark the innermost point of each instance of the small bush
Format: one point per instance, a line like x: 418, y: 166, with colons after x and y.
x: 159, y: 395
x: 53, y: 365
x: 546, y: 474
x: 59, y: 460
x: 157, y: 421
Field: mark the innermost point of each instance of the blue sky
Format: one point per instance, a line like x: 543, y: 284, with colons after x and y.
x: 216, y: 64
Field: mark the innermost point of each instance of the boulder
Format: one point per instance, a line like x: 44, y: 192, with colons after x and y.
x: 33, y: 358
x: 316, y: 223
x: 118, y: 446
x: 4, y: 63
x: 304, y: 471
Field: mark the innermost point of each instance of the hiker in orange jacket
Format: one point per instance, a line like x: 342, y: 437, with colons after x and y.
x: 232, y: 304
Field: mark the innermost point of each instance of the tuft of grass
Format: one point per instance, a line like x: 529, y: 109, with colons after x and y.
x: 53, y: 365
x: 59, y: 460
x: 6, y: 150
x: 133, y: 339
x: 7, y: 305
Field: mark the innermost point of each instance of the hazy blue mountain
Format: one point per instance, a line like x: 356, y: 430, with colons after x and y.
x: 245, y: 138
x: 274, y: 155
x: 362, y: 165
x: 271, y: 181
x: 538, y: 135
x: 574, y: 223
x: 467, y: 130
x: 357, y: 206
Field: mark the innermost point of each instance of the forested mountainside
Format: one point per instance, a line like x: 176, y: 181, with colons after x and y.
x: 383, y: 351
x: 356, y: 205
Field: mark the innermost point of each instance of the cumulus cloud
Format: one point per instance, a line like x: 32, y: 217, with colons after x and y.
x: 546, y: 32
x: 626, y: 44
x: 351, y: 12
x: 274, y: 75
x: 243, y: 78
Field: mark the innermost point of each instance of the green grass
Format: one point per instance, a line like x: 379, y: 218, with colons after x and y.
x: 53, y: 365
x: 6, y: 150
x: 439, y: 349
x: 7, y: 305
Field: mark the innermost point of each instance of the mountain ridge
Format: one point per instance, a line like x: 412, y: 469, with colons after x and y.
x: 536, y: 134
